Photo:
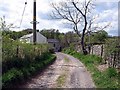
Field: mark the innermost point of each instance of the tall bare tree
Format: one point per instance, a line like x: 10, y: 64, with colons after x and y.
x: 78, y: 13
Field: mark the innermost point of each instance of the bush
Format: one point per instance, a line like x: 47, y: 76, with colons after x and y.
x: 51, y: 50
x: 111, y: 72
x: 16, y: 54
x: 17, y: 75
x: 11, y: 76
x: 21, y: 60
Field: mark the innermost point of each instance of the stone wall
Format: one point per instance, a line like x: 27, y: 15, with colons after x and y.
x: 97, y: 50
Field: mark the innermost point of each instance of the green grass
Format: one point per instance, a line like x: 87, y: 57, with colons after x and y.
x: 106, y: 79
x: 66, y: 59
x: 61, y: 80
x: 18, y: 75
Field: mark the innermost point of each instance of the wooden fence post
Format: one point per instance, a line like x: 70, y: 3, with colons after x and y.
x: 102, y: 51
x: 17, y: 51
x: 117, y: 59
x: 114, y: 59
x: 92, y: 49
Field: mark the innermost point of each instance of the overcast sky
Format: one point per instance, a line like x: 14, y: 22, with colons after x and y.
x: 12, y: 10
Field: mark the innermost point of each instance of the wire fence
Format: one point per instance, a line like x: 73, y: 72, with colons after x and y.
x: 112, y: 58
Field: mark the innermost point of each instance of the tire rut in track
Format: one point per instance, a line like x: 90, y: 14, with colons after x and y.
x: 65, y: 72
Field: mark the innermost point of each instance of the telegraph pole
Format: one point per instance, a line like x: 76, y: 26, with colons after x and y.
x: 34, y: 22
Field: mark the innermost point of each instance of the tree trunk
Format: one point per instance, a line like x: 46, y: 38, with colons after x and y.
x: 82, y: 39
x: 83, y: 44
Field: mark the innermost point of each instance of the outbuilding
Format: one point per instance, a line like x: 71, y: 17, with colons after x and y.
x: 55, y: 44
x: 40, y: 39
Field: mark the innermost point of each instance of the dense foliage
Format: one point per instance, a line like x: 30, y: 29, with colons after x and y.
x: 23, y: 69
x: 112, y: 45
x: 21, y: 60
x: 112, y: 52
x: 50, y: 33
x: 97, y: 37
x: 12, y: 48
x: 13, y: 34
x: 65, y: 38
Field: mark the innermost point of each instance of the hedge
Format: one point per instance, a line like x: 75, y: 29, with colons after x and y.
x: 25, y: 69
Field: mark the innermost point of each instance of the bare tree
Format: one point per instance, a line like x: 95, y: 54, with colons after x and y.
x: 78, y: 13
x: 65, y: 10
x: 5, y: 26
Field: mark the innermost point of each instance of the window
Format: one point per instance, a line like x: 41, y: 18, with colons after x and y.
x: 54, y: 44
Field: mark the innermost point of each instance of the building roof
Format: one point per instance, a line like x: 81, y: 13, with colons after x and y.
x: 31, y: 35
x: 52, y: 40
x: 27, y: 36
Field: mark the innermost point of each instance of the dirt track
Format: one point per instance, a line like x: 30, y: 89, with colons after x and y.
x: 65, y: 72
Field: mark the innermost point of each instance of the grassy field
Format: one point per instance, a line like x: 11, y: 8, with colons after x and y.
x: 106, y: 79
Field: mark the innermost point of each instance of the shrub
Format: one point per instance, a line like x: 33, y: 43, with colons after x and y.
x: 12, y: 75
x: 17, y: 55
x: 111, y: 72
x: 51, y: 50
x: 21, y: 60
x: 17, y: 75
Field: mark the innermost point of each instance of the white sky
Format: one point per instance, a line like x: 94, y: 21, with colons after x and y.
x: 12, y: 10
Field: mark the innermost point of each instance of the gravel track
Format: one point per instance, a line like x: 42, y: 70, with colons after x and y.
x: 65, y: 72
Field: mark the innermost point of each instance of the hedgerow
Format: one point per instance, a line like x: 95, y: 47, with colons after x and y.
x: 20, y: 61
x: 16, y: 75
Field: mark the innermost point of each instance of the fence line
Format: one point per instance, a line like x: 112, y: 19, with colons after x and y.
x: 114, y: 60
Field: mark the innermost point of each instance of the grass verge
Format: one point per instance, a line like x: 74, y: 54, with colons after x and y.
x: 107, y: 79
x: 18, y: 75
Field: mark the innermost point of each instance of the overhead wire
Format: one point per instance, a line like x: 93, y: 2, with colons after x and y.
x: 23, y: 14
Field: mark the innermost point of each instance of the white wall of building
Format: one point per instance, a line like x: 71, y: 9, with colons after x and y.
x: 29, y: 38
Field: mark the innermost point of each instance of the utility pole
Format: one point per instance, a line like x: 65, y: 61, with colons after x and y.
x: 34, y: 22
